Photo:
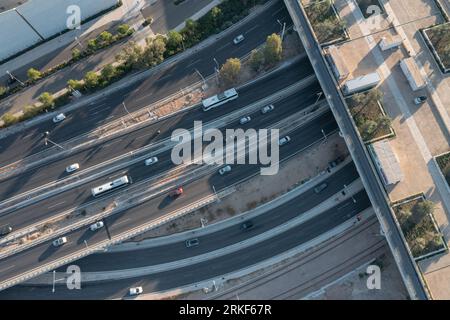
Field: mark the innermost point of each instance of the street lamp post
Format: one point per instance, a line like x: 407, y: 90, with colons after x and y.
x: 13, y: 77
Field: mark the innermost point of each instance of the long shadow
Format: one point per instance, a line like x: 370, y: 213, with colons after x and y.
x: 51, y: 249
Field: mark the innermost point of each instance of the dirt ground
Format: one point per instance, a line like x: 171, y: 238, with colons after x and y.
x: 259, y: 189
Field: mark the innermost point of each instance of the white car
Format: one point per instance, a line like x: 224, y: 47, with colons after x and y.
x: 284, y: 140
x: 238, y: 39
x: 267, y: 109
x: 224, y: 170
x: 59, y: 242
x: 244, y: 120
x: 151, y: 161
x: 97, y: 226
x: 135, y: 291
x: 59, y: 117
x: 420, y: 100
x: 73, y: 167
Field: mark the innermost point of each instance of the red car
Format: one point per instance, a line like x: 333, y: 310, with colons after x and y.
x: 177, y: 192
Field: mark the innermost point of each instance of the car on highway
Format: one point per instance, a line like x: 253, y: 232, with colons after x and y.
x: 420, y: 99
x: 151, y: 161
x: 192, y: 243
x: 267, y: 109
x: 284, y: 140
x: 176, y: 192
x: 5, y: 230
x: 320, y: 188
x: 245, y: 120
x: 135, y: 291
x: 96, y: 226
x: 59, y: 117
x: 60, y: 241
x: 73, y: 167
x: 247, y: 225
x: 224, y: 170
x: 238, y: 39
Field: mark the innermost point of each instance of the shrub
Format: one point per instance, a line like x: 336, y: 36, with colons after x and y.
x: 76, y: 54
x: 33, y: 74
x: 123, y: 29
x: 9, y: 119
x: 74, y: 84
x: 47, y: 100
x: 91, y: 80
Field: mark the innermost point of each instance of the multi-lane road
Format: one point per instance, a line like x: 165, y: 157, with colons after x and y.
x: 20, y: 218
x: 169, y: 80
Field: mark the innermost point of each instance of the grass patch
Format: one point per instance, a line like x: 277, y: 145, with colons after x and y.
x: 416, y: 221
x: 440, y: 39
x: 369, y: 117
x: 324, y: 20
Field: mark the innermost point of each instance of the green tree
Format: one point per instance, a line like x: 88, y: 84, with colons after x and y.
x: 3, y: 90
x: 47, y: 100
x: 229, y: 73
x: 383, y: 123
x: 123, y: 29
x: 92, y: 44
x: 132, y: 55
x: 256, y: 60
x: 76, y: 53
x: 174, y: 42
x: 74, y: 84
x: 368, y: 128
x: 91, y: 80
x: 106, y: 37
x: 154, y: 51
x: 34, y: 74
x: 108, y: 72
x: 191, y: 32
x: 273, y: 49
x: 9, y: 119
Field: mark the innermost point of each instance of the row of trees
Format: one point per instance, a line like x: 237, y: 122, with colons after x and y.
x: 265, y: 57
x: 440, y: 37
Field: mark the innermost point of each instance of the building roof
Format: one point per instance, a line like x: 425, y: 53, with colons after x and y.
x: 338, y: 61
x: 414, y: 72
x: 6, y: 5
x: 386, y: 161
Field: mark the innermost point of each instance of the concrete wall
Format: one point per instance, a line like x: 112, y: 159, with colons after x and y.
x: 47, y: 18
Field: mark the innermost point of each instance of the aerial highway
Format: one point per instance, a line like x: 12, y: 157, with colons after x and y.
x: 110, y: 148
x: 210, y: 269
x: 158, y: 206
x: 135, y: 257
x: 20, y: 218
x: 170, y: 79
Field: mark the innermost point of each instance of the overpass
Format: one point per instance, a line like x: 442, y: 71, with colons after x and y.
x: 408, y: 269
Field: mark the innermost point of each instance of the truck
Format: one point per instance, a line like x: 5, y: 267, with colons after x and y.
x: 361, y: 83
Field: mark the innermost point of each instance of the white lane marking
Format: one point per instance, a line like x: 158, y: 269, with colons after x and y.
x: 192, y: 63
x: 57, y: 204
x: 117, y: 175
x: 7, y: 268
x: 111, y: 143
x: 252, y: 28
x: 145, y: 135
x: 224, y: 46
x: 275, y: 12
x: 103, y: 120
x: 98, y: 107
x: 27, y: 136
x: 117, y: 223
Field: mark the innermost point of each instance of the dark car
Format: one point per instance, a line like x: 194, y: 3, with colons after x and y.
x: 247, y: 225
x: 5, y: 230
x: 192, y: 243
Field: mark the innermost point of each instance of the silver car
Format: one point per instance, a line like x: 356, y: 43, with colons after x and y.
x: 267, y: 109
x: 224, y: 170
x: 238, y: 39
x: 245, y: 120
x: 59, y: 242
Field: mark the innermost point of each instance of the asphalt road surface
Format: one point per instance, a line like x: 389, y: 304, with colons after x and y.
x: 171, y: 79
x: 156, y: 207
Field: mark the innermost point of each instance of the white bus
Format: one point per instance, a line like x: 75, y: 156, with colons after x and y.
x: 110, y: 186
x: 219, y: 99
